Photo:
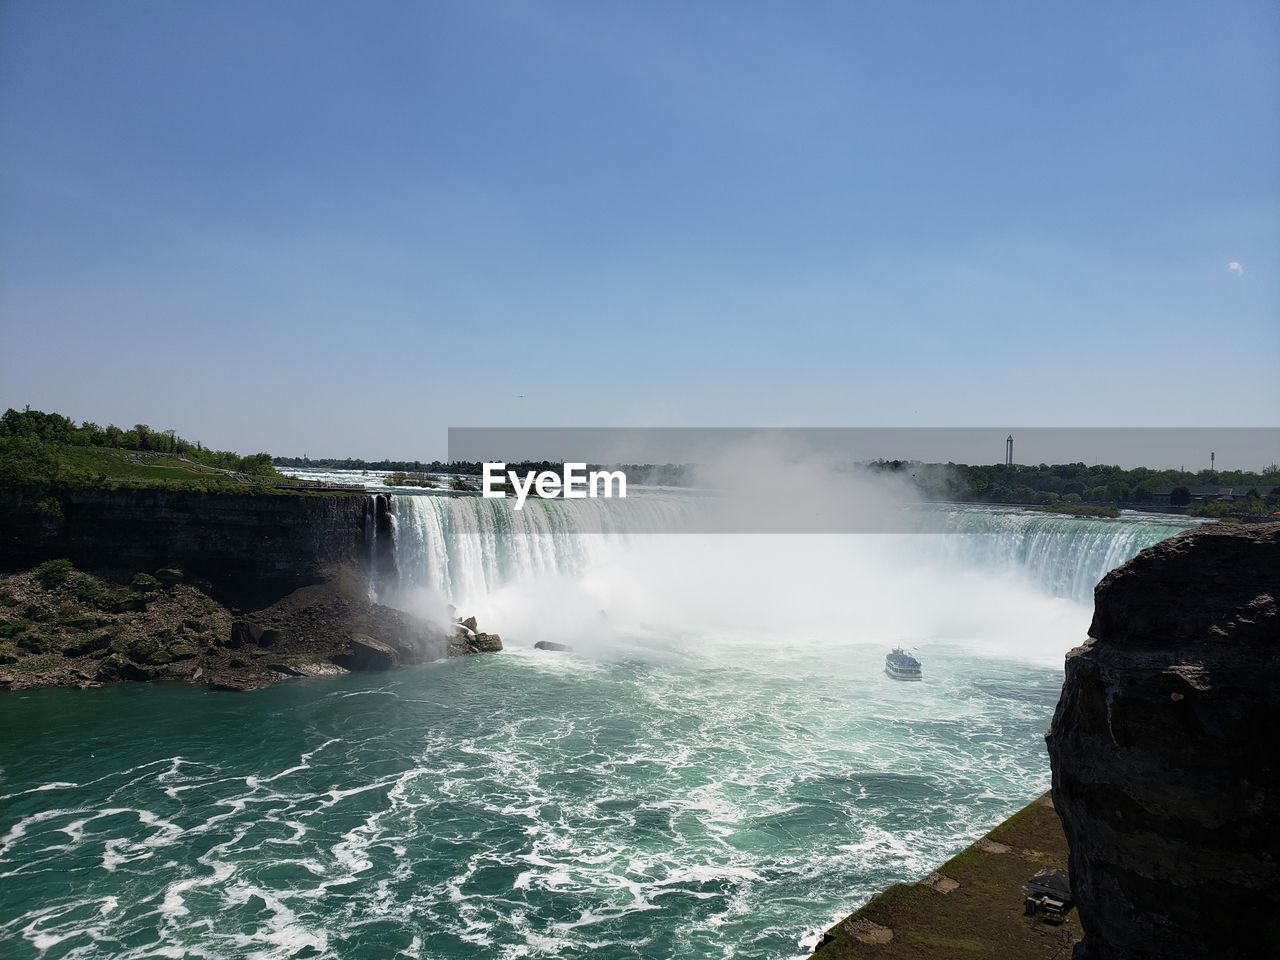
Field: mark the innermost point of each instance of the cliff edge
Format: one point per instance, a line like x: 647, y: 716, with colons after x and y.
x: 1166, y: 766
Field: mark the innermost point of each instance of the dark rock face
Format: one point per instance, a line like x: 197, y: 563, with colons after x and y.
x: 1166, y: 765
x: 251, y: 548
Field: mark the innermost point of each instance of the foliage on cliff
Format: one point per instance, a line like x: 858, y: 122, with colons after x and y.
x: 45, y: 449
x: 1065, y: 483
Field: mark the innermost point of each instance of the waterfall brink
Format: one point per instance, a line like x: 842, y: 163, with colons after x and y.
x: 1065, y: 556
x: 463, y: 548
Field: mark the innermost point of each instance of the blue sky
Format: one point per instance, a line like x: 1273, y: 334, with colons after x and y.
x: 339, y: 228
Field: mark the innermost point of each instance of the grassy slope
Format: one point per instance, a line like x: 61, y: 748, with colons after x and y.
x: 106, y: 466
x: 983, y: 917
x: 127, y: 466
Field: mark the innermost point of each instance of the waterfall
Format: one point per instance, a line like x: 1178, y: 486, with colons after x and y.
x: 1065, y: 556
x: 463, y: 547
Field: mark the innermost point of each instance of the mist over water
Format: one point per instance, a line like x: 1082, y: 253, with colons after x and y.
x: 719, y: 769
x: 1000, y: 580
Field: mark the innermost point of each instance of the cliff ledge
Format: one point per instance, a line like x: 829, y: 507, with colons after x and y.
x: 1166, y: 769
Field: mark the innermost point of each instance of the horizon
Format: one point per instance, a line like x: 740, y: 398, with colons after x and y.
x: 340, y: 230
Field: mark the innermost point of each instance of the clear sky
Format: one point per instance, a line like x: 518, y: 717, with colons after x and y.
x: 339, y: 228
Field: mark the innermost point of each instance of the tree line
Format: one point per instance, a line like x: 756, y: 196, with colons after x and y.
x: 32, y: 445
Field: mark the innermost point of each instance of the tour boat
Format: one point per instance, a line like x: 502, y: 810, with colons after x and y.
x: 902, y: 666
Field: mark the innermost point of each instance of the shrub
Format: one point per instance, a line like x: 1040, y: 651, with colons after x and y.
x: 86, y: 589
x: 52, y: 573
x: 34, y: 642
x: 144, y: 583
x: 50, y: 508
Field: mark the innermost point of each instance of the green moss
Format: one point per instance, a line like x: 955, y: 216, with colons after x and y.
x: 53, y: 573
x: 86, y: 588
x: 144, y: 583
x: 982, y: 917
x: 88, y: 643
x: 41, y: 663
x: 12, y: 628
x: 35, y: 642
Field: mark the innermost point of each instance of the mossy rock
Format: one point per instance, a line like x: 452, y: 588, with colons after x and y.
x: 148, y: 650
x: 120, y: 646
x: 183, y: 651
x: 53, y: 573
x: 169, y: 576
x: 8, y: 653
x: 87, y: 589
x: 89, y: 643
x: 144, y: 583
x: 12, y: 628
x: 117, y: 667
x: 34, y: 642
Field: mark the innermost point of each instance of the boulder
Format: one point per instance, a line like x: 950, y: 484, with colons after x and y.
x: 368, y: 653
x: 1166, y: 771
x: 485, y: 643
x: 551, y: 645
x: 236, y: 681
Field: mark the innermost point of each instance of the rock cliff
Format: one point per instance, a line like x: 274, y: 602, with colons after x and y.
x: 251, y: 548
x: 1166, y: 767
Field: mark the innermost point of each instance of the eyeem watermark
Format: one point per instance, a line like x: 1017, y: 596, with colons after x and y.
x: 575, y: 484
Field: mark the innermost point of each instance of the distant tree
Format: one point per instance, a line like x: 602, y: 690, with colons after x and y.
x: 1180, y: 497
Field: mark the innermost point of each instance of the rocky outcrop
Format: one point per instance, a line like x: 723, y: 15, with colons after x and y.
x: 1166, y: 768
x: 63, y: 627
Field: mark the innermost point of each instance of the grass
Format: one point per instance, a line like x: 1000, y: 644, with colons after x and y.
x: 983, y: 917
x: 114, y: 468
x: 148, y: 469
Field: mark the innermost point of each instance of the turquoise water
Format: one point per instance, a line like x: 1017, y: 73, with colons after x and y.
x: 703, y: 798
x: 722, y: 769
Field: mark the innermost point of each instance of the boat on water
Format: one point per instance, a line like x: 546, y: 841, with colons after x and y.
x: 902, y: 666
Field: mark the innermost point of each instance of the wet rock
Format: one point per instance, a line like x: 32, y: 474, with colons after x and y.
x: 485, y: 643
x: 1165, y: 770
x: 368, y: 653
x: 470, y: 624
x: 118, y: 667
x: 236, y: 681
x: 551, y: 645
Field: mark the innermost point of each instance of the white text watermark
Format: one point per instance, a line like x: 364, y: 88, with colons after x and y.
x: 576, y: 483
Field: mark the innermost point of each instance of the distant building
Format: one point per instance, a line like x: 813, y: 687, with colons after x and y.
x: 1217, y: 493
